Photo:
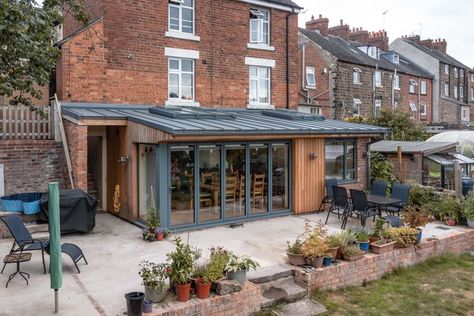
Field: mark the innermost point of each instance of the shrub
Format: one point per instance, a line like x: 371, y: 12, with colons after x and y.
x: 316, y: 241
x: 379, y: 227
x: 182, y: 261
x: 294, y: 248
x: 404, y: 236
x: 351, y: 251
x: 448, y: 207
x: 153, y: 275
x: 381, y: 169
x: 343, y: 238
x: 468, y: 206
x: 416, y: 217
x: 420, y: 195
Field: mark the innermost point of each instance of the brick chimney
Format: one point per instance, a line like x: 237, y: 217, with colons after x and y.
x: 359, y: 35
x: 342, y: 30
x: 427, y: 43
x: 321, y: 25
x: 379, y: 39
x: 413, y: 38
x: 440, y: 45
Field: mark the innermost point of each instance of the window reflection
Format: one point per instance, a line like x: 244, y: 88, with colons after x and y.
x: 209, y: 183
x: 235, y: 181
x: 146, y: 179
x: 280, y: 185
x: 259, y: 181
x: 182, y: 185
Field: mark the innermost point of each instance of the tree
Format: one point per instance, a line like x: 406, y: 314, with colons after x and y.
x: 27, y: 51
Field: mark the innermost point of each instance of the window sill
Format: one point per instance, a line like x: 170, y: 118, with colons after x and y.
x: 260, y: 106
x: 311, y: 87
x: 398, y: 89
x: 357, y: 83
x: 177, y: 102
x: 261, y: 47
x: 378, y: 86
x: 181, y: 35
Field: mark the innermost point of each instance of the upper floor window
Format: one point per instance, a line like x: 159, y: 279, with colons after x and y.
x: 461, y: 92
x: 378, y: 107
x: 356, y: 75
x: 422, y: 109
x: 472, y: 93
x: 181, y: 16
x: 461, y: 73
x: 446, y: 69
x: 455, y: 72
x: 259, y: 85
x: 446, y: 90
x: 413, y: 109
x: 396, y: 82
x: 472, y: 77
x: 423, y: 87
x: 356, y: 107
x: 456, y: 92
x: 181, y: 79
x: 259, y: 26
x: 378, y: 78
x: 413, y: 84
x: 310, y: 78
x: 316, y: 110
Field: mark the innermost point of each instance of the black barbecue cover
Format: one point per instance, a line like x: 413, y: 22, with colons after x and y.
x: 77, y: 210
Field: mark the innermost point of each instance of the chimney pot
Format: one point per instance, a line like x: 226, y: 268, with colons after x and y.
x: 342, y: 22
x: 320, y: 16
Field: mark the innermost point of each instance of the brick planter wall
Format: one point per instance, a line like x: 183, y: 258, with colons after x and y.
x: 245, y: 302
x: 374, y: 266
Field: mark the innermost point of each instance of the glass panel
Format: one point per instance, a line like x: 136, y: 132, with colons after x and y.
x: 174, y: 18
x: 187, y: 65
x: 146, y: 179
x: 334, y: 160
x: 182, y: 185
x: 350, y: 161
x: 174, y: 80
x: 259, y: 176
x: 188, y: 3
x: 174, y: 64
x: 209, y: 183
x: 187, y: 80
x: 187, y: 93
x: 253, y: 71
x: 235, y: 181
x: 280, y: 180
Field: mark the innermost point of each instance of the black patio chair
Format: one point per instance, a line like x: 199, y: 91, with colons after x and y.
x: 329, y: 198
x: 341, y: 204
x: 360, y: 206
x: 400, y: 192
x: 379, y: 188
x: 23, y: 240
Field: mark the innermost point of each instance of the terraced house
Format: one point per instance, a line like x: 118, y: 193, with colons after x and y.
x: 345, y: 73
x: 453, y: 85
x: 191, y: 105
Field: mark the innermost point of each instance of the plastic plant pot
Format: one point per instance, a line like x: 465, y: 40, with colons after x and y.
x: 134, y: 303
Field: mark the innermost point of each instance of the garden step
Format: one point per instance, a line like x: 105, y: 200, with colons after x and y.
x: 270, y: 274
x: 304, y: 307
x: 285, y: 290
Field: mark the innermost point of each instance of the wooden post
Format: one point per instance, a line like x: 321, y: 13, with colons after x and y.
x: 399, y: 164
x: 457, y: 178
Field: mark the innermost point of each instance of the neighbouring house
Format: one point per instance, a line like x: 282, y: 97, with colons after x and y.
x: 196, y: 113
x: 427, y: 163
x: 344, y: 73
x: 453, y: 84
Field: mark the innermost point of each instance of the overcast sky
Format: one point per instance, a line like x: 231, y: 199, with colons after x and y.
x: 448, y: 19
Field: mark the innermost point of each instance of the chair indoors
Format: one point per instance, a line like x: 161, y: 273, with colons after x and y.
x: 379, y: 188
x: 23, y: 239
x: 341, y: 204
x: 400, y: 192
x: 329, y: 198
x: 258, y: 190
x: 361, y: 207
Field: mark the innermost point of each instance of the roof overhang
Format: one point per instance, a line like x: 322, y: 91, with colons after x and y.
x: 274, y: 5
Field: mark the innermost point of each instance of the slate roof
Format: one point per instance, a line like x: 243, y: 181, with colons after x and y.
x: 347, y: 51
x: 212, y: 121
x: 445, y: 58
x: 288, y: 3
x: 427, y: 148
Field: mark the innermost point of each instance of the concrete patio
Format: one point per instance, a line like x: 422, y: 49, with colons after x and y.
x: 115, y: 249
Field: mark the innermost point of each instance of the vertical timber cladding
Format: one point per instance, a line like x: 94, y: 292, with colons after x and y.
x: 308, y: 174
x: 117, y: 172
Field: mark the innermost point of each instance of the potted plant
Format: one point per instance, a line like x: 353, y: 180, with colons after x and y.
x: 448, y: 209
x: 382, y: 245
x: 315, y: 246
x: 237, y: 267
x: 416, y: 217
x: 402, y: 236
x: 213, y: 271
x: 147, y: 306
x: 327, y: 260
x: 468, y: 209
x: 363, y: 240
x: 152, y: 223
x: 379, y: 227
x: 333, y: 244
x: 293, y: 251
x: 181, y: 266
x: 352, y: 253
x: 341, y: 240
x: 159, y: 232
x: 153, y: 278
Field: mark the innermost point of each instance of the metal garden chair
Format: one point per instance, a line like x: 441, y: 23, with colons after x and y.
x: 400, y: 192
x: 361, y: 207
x: 379, y: 188
x: 329, y: 198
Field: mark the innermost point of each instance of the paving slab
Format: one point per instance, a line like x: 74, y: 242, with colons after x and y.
x: 271, y: 273
x: 306, y: 307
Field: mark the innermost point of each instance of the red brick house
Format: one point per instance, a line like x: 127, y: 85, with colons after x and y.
x: 346, y: 72
x: 194, y: 108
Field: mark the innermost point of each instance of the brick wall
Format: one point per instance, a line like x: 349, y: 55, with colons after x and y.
x: 94, y: 10
x: 76, y: 137
x: 417, y: 98
x: 373, y: 266
x: 412, y: 166
x: 245, y: 302
x: 129, y: 65
x: 29, y: 165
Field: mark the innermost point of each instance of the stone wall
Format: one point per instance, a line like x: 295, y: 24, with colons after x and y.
x: 374, y: 267
x: 29, y: 165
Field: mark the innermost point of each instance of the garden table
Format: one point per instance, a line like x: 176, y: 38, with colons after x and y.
x: 381, y: 201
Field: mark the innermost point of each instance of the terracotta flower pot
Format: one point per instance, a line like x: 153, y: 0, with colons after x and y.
x: 339, y: 254
x: 317, y: 262
x: 203, y: 289
x: 183, y: 292
x: 296, y: 259
x: 333, y: 251
x: 159, y: 236
x: 451, y: 222
x: 354, y: 258
x: 380, y: 249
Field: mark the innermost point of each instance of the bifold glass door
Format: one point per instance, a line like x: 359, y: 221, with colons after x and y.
x: 182, y: 185
x: 234, y: 181
x: 209, y: 183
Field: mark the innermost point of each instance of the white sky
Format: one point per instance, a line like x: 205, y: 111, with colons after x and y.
x: 448, y: 19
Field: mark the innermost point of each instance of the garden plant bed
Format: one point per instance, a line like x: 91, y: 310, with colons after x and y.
x: 423, y: 289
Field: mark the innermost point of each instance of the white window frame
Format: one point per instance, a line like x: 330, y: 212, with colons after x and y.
x: 378, y: 78
x: 310, y: 82
x: 315, y: 110
x: 356, y: 105
x: 472, y: 93
x: 260, y: 22
x: 446, y: 69
x: 456, y: 92
x: 456, y: 73
x: 461, y: 92
x: 378, y: 106
x: 258, y: 78
x: 358, y: 76
x: 396, y: 82
x: 423, y: 87
x: 423, y: 109
x: 180, y: 7
x: 413, y: 109
x: 472, y: 77
x: 461, y: 73
x: 465, y: 113
x: 412, y: 86
x: 446, y: 91
x: 180, y: 72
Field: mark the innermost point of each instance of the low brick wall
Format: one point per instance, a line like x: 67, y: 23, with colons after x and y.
x: 374, y: 266
x: 245, y: 302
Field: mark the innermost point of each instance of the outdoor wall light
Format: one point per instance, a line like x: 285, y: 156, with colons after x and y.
x: 123, y: 160
x: 313, y: 156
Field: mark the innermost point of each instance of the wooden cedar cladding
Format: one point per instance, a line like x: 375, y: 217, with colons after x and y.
x: 308, y: 174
